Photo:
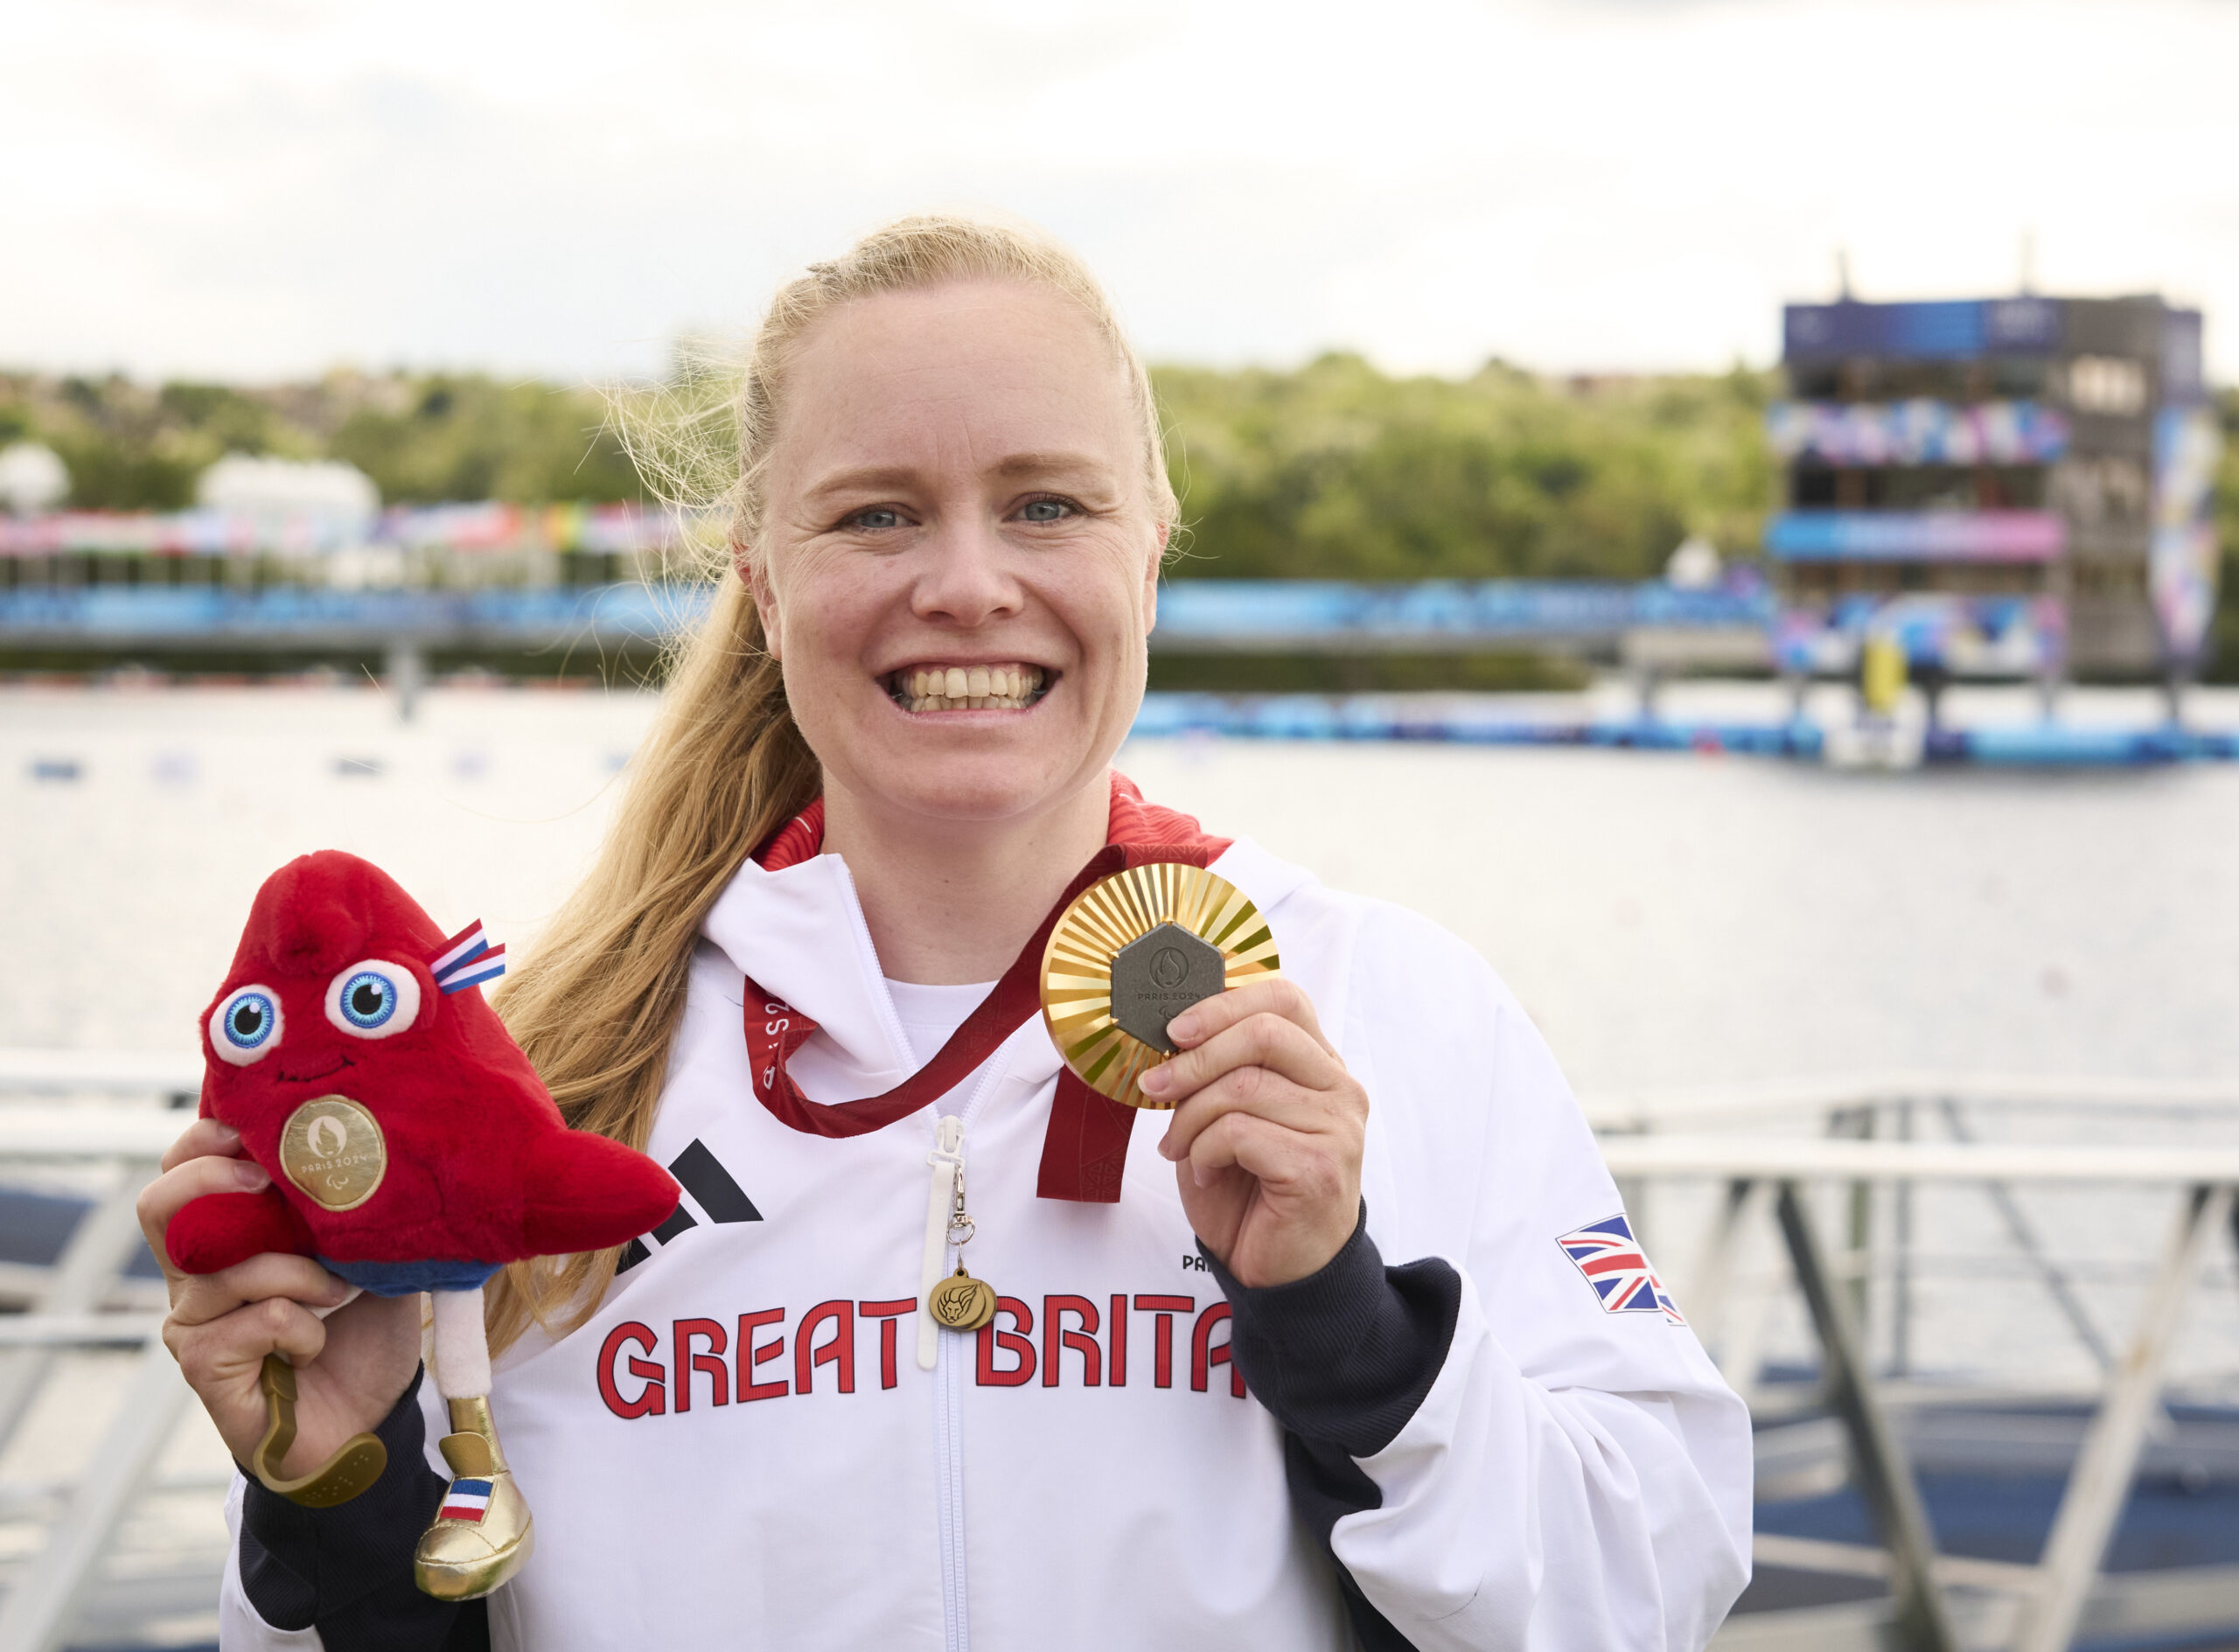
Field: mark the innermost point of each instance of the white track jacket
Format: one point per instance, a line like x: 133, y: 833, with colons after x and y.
x: 1484, y: 1425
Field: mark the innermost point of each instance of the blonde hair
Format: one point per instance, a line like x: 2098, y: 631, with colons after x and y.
x: 597, y: 1003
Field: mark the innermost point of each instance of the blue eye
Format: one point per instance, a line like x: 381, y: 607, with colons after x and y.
x: 373, y: 1000
x: 250, y: 1021
x: 369, y: 999
x: 246, y: 1026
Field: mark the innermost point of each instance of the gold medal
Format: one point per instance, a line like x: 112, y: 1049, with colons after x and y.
x: 333, y: 1149
x: 962, y: 1303
x: 1132, y: 952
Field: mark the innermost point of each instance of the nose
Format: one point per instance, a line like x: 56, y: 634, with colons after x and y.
x: 966, y: 581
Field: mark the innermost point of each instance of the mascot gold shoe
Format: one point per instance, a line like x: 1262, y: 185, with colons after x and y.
x: 482, y: 1533
x: 412, y: 1147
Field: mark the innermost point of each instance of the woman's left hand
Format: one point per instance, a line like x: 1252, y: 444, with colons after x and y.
x: 1266, y: 1133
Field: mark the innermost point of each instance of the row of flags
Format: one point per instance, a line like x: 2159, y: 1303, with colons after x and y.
x: 486, y: 526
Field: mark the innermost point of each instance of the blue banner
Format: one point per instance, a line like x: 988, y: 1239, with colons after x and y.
x: 1945, y: 330
x: 1222, y: 612
x: 1916, y: 536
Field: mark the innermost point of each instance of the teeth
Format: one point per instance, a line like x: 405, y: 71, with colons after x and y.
x: 966, y: 687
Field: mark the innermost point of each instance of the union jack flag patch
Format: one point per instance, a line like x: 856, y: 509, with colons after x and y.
x: 1613, y: 1264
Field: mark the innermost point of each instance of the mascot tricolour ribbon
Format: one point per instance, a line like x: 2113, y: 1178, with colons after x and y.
x: 411, y: 1148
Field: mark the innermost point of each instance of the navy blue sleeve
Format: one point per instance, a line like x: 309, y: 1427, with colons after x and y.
x: 347, y: 1570
x: 1343, y: 1359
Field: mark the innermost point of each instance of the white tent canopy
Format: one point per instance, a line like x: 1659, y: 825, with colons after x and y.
x: 32, y: 478
x: 248, y: 486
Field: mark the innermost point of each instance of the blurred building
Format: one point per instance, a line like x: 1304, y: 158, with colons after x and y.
x: 2008, y: 486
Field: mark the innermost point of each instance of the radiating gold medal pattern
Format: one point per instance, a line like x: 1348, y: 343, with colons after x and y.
x: 1105, y: 917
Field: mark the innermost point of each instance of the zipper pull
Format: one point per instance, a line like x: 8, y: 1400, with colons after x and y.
x: 947, y: 1161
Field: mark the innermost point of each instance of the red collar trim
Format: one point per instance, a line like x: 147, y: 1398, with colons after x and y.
x: 1144, y: 828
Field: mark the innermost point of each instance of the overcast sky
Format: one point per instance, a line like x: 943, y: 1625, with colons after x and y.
x: 257, y: 188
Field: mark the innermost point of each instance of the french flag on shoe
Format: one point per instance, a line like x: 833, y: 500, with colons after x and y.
x: 1615, y: 1266
x: 467, y: 960
x: 469, y: 1500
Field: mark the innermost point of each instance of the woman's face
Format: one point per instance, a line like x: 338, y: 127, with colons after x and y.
x: 960, y: 556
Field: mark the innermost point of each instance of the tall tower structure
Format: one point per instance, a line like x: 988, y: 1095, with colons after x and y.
x: 2010, y: 486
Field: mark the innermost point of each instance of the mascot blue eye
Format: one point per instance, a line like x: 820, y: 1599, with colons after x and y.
x: 376, y: 998
x: 248, y: 1023
x: 369, y: 999
x: 246, y: 1026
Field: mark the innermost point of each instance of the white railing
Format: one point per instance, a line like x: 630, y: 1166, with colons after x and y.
x: 112, y: 1115
x: 1942, y: 1603
x: 115, y: 1144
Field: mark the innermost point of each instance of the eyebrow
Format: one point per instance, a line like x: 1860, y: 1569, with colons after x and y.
x: 873, y: 478
x: 1040, y: 463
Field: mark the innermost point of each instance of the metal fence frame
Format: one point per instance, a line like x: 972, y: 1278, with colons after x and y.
x: 1764, y: 1180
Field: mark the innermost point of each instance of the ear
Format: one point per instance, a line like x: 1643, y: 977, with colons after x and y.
x: 752, y: 575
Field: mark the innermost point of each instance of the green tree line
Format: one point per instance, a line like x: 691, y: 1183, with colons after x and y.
x: 1333, y: 470
x: 1338, y: 471
x: 424, y: 438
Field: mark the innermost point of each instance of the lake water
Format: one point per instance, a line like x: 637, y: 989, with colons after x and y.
x: 1667, y: 920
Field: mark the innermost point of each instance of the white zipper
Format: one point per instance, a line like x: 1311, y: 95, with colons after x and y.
x: 939, y: 1354
x: 948, y: 1490
x: 950, y: 1356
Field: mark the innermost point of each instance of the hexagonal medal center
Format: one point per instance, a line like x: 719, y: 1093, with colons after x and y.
x: 1156, y: 978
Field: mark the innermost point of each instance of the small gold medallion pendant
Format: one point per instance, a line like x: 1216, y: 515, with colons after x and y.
x: 962, y: 1303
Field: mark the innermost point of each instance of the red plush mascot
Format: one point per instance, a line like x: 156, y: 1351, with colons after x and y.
x: 412, y: 1147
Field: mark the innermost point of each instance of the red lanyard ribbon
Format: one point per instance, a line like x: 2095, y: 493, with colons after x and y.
x: 1084, y: 1150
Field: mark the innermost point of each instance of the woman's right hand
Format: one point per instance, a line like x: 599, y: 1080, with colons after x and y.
x: 351, y: 1367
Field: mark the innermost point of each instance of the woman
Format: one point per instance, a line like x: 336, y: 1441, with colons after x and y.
x: 1328, y: 1376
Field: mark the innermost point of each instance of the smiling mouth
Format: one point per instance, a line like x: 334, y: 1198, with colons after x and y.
x: 328, y: 1071
x: 934, y: 687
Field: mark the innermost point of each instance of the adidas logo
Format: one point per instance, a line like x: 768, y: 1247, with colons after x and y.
x: 706, y: 1184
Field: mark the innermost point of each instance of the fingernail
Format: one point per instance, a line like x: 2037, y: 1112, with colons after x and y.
x: 250, y: 1175
x: 1182, y: 1028
x: 1155, y: 1081
x: 228, y: 1136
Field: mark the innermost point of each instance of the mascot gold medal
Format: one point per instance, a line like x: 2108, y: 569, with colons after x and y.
x: 1132, y: 952
x: 332, y: 1149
